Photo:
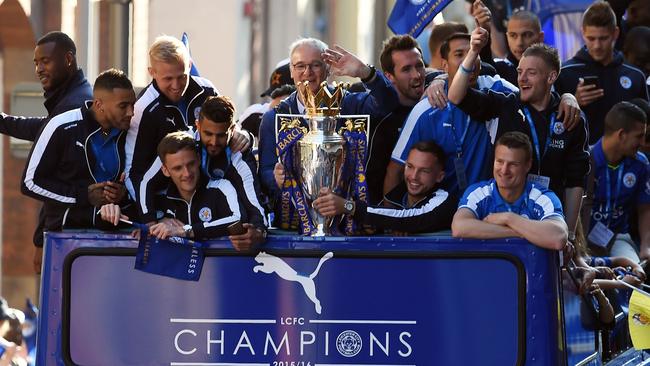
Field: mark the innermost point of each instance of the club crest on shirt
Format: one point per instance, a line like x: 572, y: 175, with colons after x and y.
x: 558, y: 128
x: 629, y: 180
x: 205, y: 214
x: 625, y: 81
x: 197, y: 110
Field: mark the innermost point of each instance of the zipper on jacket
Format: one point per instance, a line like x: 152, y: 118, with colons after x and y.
x: 86, y: 153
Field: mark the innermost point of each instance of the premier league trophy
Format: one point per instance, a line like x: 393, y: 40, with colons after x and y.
x: 319, y: 157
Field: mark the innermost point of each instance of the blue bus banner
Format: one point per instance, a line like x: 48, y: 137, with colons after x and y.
x: 412, y: 301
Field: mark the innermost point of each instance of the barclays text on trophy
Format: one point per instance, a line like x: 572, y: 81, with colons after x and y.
x: 321, y: 149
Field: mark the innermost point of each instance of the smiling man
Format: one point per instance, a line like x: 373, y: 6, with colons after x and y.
x: 65, y: 87
x: 465, y: 142
x: 170, y: 103
x: 214, y: 128
x: 194, y: 206
x: 76, y: 165
x: 508, y: 205
x: 561, y: 160
x: 64, y: 84
x: 402, y: 63
x: 417, y: 205
x: 311, y: 60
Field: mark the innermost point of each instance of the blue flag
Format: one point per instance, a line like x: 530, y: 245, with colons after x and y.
x: 174, y: 257
x: 549, y: 8
x: 186, y: 41
x: 411, y: 16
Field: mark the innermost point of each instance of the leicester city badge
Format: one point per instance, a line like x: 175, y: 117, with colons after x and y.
x: 629, y: 180
x: 205, y: 214
x: 348, y: 343
x: 197, y: 111
x: 625, y: 81
x: 558, y: 128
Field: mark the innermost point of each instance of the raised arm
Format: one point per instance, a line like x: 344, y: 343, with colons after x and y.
x: 460, y: 83
x: 382, y: 98
x: 24, y: 128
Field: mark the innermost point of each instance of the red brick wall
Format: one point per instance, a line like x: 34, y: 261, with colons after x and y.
x: 19, y: 213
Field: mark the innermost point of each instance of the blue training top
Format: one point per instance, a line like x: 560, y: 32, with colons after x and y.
x: 455, y: 132
x: 629, y: 186
x: 535, y: 203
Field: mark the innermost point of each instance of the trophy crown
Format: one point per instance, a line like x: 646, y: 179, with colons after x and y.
x: 324, y: 102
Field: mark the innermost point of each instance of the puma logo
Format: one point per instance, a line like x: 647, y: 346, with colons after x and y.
x: 79, y: 144
x: 269, y: 264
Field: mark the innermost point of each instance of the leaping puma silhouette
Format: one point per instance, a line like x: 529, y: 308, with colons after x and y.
x: 269, y: 263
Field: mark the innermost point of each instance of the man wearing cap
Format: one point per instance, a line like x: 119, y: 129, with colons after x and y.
x: 280, y: 86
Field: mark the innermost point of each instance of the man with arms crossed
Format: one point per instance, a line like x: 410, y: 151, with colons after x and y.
x: 508, y: 205
x: 560, y: 159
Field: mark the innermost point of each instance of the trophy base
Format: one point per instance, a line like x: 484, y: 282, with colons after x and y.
x: 320, y: 231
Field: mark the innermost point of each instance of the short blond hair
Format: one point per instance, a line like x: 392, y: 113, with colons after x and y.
x: 169, y: 50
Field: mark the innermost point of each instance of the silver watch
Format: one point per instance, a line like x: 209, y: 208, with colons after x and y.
x: 348, y: 206
x: 188, y: 230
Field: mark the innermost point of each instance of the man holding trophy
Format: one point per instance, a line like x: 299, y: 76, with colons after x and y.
x: 322, y: 157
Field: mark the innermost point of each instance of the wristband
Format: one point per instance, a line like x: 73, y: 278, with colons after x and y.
x: 465, y: 70
x: 370, y: 76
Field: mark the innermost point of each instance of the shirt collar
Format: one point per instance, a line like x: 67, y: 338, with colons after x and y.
x: 517, y: 206
x: 301, y: 107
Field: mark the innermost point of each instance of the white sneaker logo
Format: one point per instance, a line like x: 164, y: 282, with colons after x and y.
x: 269, y: 264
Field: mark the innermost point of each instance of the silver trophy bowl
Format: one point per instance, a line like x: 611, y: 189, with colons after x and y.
x: 319, y: 162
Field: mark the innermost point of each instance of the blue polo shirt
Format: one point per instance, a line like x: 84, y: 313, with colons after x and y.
x: 536, y: 203
x: 629, y: 186
x: 455, y: 132
x: 107, y: 158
